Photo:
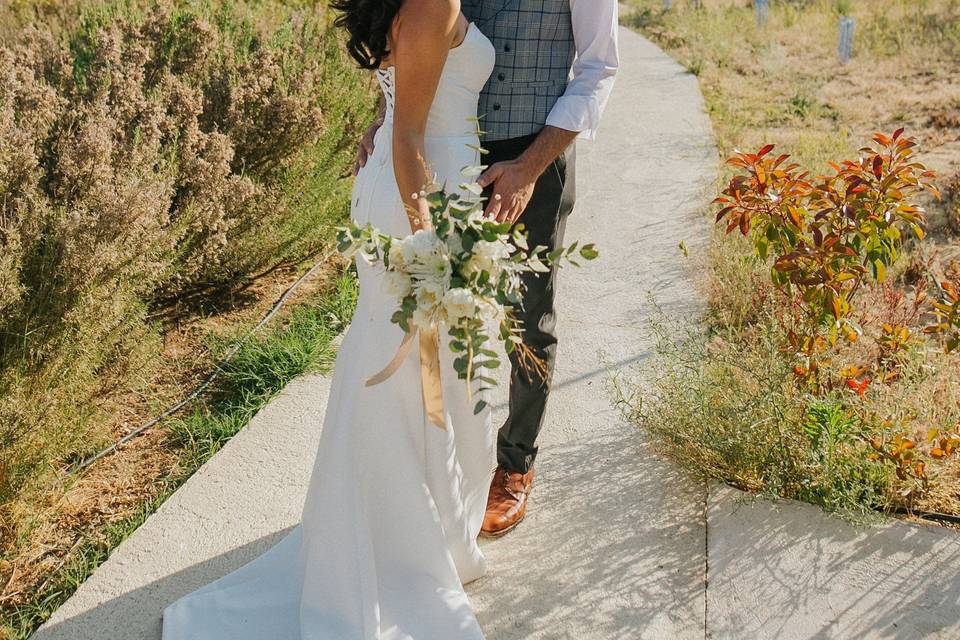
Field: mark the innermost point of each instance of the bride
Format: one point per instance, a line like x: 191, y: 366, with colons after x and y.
x: 395, y: 504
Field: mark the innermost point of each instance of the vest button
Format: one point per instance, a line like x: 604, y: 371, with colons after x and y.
x: 506, y: 47
x: 501, y: 77
x: 496, y: 107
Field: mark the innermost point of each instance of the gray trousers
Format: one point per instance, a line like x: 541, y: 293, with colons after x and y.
x: 545, y: 219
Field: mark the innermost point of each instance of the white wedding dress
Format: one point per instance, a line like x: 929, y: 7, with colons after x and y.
x: 394, y: 505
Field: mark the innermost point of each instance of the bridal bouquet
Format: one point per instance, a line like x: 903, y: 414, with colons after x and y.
x: 461, y: 272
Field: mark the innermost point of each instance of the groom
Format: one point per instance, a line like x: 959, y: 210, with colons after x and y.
x: 555, y: 67
x: 556, y: 62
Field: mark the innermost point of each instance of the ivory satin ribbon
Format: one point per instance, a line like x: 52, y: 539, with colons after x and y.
x: 429, y: 372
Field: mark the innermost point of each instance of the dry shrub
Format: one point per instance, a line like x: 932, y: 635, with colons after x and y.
x: 147, y: 156
x: 54, y: 15
x: 952, y: 200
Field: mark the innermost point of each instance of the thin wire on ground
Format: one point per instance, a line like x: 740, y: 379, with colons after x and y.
x: 203, y: 386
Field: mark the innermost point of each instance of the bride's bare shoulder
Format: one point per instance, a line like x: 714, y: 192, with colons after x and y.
x: 435, y: 15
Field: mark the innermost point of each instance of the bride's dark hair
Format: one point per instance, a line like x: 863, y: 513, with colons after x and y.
x: 367, y: 22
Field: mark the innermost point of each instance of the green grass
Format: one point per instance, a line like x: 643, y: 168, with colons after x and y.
x: 91, y: 551
x: 261, y: 369
x: 723, y: 410
x: 301, y: 343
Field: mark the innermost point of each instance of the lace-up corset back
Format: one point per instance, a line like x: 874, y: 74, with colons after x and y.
x: 451, y: 142
x: 464, y: 75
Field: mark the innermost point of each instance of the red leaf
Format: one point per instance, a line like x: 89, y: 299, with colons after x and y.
x: 878, y: 167
x: 859, y: 387
x: 723, y: 212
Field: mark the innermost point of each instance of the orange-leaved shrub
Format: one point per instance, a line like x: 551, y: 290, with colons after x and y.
x: 147, y: 155
x: 826, y: 234
x: 825, y: 237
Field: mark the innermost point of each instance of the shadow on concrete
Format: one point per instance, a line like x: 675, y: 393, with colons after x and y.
x: 627, y: 561
x: 637, y: 573
x: 137, y: 614
x: 789, y: 570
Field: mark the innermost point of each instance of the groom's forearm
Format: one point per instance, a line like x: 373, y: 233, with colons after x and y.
x: 545, y: 148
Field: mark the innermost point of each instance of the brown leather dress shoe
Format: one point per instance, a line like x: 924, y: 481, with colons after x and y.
x: 507, y: 502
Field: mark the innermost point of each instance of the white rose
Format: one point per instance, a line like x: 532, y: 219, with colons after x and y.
x: 487, y: 256
x: 477, y: 264
x: 397, y: 284
x: 494, y: 251
x: 459, y: 303
x: 434, y: 286
x: 419, y: 246
x: 396, y: 254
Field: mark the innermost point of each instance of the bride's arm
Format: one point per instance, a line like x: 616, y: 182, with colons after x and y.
x: 422, y: 36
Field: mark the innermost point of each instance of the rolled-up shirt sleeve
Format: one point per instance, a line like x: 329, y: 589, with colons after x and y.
x: 594, y: 69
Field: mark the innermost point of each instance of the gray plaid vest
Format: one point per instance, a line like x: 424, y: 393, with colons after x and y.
x: 535, y: 51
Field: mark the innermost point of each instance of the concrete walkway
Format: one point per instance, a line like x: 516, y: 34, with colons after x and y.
x: 619, y: 544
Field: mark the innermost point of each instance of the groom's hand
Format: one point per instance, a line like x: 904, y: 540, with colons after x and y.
x: 365, y: 149
x: 513, y: 182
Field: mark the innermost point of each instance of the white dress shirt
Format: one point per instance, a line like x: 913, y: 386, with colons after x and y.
x: 594, y: 69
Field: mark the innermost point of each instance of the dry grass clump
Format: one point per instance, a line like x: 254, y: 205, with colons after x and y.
x: 54, y: 15
x: 148, y: 156
x: 785, y: 83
